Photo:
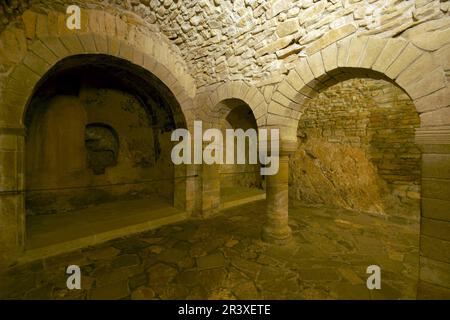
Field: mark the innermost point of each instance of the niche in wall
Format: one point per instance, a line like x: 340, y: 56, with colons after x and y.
x: 102, y: 145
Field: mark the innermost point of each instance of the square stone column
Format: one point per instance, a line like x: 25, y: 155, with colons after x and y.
x: 210, y: 190
x: 186, y: 187
x: 434, y: 279
x: 12, y: 208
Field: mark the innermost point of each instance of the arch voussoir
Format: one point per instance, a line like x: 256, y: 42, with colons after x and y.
x: 233, y: 90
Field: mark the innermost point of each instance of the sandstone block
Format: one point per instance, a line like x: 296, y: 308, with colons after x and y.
x: 432, y: 41
x: 275, y: 119
x: 116, y: 290
x: 329, y: 57
x: 303, y: 70
x: 22, y: 80
x: 416, y: 70
x: 316, y: 64
x: 101, y: 43
x: 292, y: 49
x: 259, y: 112
x: 406, y: 57
x: 430, y: 82
x: 436, y: 166
x: 72, y: 42
x: 43, y: 52
x: 256, y: 100
x: 436, y: 209
x: 121, y: 28
x: 330, y: 37
x: 55, y: 45
x: 12, y: 45
x: 94, y: 21
x: 436, y: 228
x: 281, y: 99
x: 277, y: 7
x: 434, y: 271
x: 436, y: 118
x: 42, y: 26
x: 389, y: 54
x: 342, y: 47
x: 435, y: 188
x: 435, y: 249
x: 138, y: 58
x: 372, y: 51
x: 113, y: 46
x: 36, y: 64
x: 286, y: 90
x: 433, y: 101
x: 274, y: 46
x: 295, y: 80
x: 287, y: 27
x: 29, y: 20
x: 110, y: 24
x: 88, y: 42
x: 252, y: 91
x: 355, y: 50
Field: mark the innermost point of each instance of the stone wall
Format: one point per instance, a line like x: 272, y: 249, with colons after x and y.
x: 357, y: 151
x: 257, y: 40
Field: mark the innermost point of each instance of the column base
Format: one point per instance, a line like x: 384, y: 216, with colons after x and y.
x: 279, y: 236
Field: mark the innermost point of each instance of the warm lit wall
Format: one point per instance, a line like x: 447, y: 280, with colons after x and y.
x: 357, y: 151
x: 57, y: 154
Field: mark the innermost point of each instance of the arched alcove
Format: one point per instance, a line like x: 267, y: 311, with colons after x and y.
x: 97, y: 148
x: 240, y: 183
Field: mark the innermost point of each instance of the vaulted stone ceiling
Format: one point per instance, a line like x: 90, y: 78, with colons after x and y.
x: 258, y: 40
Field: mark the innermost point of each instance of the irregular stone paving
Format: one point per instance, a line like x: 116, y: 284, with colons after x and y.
x: 224, y: 258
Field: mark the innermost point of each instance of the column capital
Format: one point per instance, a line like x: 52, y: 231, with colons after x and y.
x: 288, y: 147
x: 288, y: 138
x: 433, y: 139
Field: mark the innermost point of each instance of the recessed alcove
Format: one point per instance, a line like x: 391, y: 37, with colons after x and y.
x: 239, y: 183
x: 98, y: 153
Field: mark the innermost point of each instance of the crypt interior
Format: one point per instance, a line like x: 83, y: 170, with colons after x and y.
x: 358, y: 89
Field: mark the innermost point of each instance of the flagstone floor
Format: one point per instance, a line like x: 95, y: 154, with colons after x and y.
x: 223, y: 258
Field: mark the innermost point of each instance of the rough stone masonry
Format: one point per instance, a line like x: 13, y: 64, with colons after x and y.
x: 359, y: 90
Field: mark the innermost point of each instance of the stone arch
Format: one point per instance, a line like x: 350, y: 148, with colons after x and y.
x: 101, y: 33
x: 421, y: 76
x: 397, y: 60
x: 51, y: 42
x: 215, y: 110
x: 212, y: 107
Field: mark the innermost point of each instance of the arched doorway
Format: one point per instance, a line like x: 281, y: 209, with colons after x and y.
x: 240, y: 183
x: 98, y: 153
x: 355, y: 187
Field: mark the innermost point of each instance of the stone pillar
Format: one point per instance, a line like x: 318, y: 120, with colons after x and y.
x: 12, y: 209
x: 276, y: 228
x: 210, y: 175
x: 210, y: 190
x: 434, y: 278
